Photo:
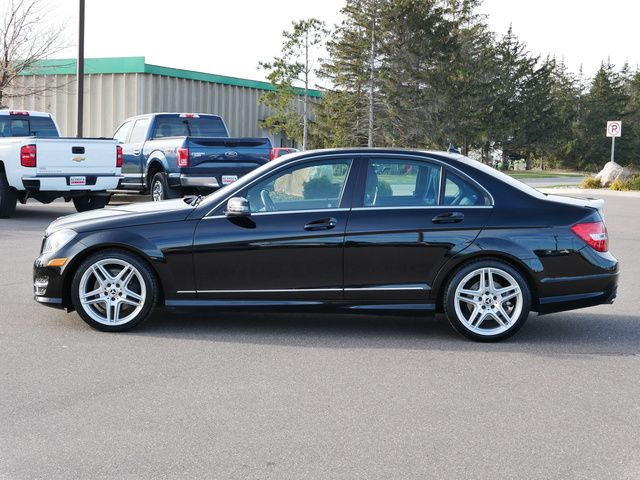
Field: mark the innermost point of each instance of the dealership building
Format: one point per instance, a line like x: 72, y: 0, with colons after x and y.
x: 117, y: 88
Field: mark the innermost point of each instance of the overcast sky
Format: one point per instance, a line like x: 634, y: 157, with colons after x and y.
x: 230, y: 37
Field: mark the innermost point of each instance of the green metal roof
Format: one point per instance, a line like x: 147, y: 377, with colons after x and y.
x: 138, y: 65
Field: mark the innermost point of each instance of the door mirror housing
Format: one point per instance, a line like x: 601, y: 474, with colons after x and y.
x: 238, y: 207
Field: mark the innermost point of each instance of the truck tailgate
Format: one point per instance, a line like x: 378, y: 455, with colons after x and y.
x: 211, y: 152
x: 76, y: 156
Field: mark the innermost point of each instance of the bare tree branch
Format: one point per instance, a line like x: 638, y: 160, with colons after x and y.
x: 26, y: 38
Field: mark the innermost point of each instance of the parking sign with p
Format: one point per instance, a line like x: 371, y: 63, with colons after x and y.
x: 614, y: 128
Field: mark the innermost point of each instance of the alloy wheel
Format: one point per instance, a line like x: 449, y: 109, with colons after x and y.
x: 157, y: 192
x: 112, y: 291
x: 488, y: 301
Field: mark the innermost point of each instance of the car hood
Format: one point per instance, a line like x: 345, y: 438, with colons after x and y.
x: 123, y: 216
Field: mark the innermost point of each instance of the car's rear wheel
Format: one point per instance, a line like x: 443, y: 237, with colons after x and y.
x: 90, y: 202
x: 114, y: 290
x: 160, y: 189
x: 487, y: 300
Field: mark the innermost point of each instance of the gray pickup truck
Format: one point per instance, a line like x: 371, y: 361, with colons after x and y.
x: 173, y: 154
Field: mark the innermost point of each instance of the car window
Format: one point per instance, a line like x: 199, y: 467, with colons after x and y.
x: 139, y: 131
x: 209, y: 126
x: 122, y: 133
x: 392, y: 183
x: 460, y: 192
x: 304, y: 187
x: 25, y: 126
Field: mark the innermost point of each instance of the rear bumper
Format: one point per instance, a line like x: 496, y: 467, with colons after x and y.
x: 187, y: 181
x: 587, y: 291
x: 95, y: 183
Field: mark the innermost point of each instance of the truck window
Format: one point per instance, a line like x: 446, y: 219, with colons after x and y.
x: 192, y: 127
x: 122, y: 133
x: 139, y: 131
x: 26, y: 126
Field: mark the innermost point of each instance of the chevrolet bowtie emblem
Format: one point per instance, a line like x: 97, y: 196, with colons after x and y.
x: 79, y: 158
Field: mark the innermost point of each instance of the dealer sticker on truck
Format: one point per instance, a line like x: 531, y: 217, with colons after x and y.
x: 227, y: 179
x: 77, y: 180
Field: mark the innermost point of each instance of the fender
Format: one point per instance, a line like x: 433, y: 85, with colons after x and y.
x: 155, y: 157
x: 487, y: 245
x: 125, y: 240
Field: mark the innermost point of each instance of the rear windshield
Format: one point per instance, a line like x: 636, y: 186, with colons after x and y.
x: 27, y: 126
x: 193, y: 127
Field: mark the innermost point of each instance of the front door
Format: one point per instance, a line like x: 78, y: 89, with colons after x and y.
x: 403, y: 226
x: 289, y: 248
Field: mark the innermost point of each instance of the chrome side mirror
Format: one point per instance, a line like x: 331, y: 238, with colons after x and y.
x: 238, y: 207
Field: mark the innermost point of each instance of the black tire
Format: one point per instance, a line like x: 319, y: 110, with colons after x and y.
x: 91, y: 202
x: 148, y: 276
x: 160, y: 189
x: 471, y: 331
x: 8, y: 196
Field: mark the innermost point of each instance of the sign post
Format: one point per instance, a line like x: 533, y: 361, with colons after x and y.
x: 614, y: 129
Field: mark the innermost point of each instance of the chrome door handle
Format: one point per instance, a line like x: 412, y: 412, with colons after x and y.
x: 450, y: 217
x: 322, y: 224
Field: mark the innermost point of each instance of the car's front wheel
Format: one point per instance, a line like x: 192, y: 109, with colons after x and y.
x: 114, y: 290
x: 487, y: 300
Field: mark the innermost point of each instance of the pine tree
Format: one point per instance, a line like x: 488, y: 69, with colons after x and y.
x: 295, y: 65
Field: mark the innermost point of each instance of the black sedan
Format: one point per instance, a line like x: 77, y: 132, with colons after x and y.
x: 361, y: 230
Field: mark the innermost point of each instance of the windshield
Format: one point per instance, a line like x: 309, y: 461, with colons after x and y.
x: 211, y: 200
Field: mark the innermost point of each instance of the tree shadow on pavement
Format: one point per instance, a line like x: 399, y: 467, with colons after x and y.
x: 556, y: 335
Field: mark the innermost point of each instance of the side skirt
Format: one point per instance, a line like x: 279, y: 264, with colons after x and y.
x: 305, y: 306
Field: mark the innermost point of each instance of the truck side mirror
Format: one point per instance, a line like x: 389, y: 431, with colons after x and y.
x: 238, y: 207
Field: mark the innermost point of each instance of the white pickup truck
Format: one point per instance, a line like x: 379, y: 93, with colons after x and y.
x: 35, y: 162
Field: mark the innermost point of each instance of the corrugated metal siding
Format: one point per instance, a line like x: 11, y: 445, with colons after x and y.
x: 110, y: 98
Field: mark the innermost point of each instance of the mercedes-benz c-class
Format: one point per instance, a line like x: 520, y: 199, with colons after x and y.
x: 357, y: 230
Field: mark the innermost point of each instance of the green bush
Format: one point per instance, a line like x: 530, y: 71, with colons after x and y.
x: 631, y: 183
x: 590, y: 182
x: 619, y: 185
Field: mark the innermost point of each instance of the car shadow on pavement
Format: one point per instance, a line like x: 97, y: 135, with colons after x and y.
x: 559, y: 334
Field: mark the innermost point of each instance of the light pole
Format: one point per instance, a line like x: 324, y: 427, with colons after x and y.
x: 80, y: 69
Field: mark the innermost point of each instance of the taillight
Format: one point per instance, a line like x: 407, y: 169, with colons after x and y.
x: 594, y: 233
x: 118, y: 156
x: 182, y: 155
x: 19, y: 113
x: 28, y: 155
x: 273, y: 154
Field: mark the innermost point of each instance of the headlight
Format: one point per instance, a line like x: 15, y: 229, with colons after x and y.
x: 57, y: 240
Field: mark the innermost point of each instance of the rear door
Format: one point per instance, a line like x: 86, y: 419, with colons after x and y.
x: 408, y: 218
x: 132, y: 153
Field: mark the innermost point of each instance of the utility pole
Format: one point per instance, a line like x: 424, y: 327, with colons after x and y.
x: 305, y: 125
x: 80, y: 69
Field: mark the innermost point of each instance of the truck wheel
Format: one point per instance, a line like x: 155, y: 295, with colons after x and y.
x: 8, y: 197
x: 160, y: 189
x: 91, y: 202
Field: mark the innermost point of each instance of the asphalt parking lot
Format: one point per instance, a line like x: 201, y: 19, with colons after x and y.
x: 318, y: 396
